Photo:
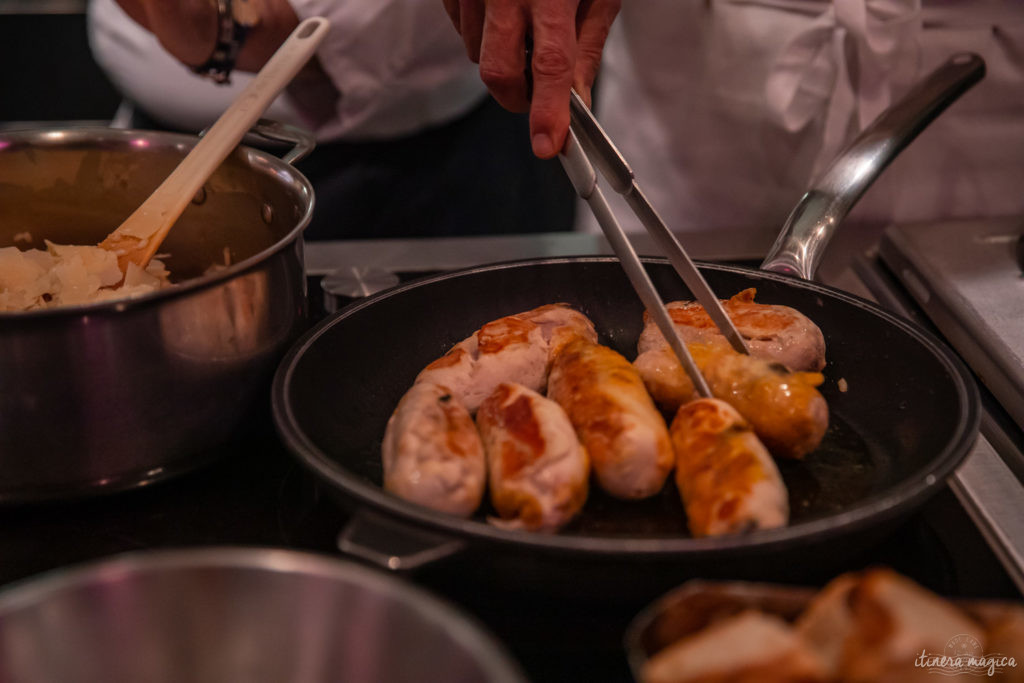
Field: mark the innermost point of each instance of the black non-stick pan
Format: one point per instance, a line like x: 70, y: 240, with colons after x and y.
x: 904, y: 412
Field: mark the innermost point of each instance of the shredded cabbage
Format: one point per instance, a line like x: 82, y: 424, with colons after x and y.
x: 69, y: 275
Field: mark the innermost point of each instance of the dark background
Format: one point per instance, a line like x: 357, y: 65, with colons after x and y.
x: 49, y: 74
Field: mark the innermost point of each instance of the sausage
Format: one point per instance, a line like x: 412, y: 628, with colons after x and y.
x: 615, y: 418
x: 503, y: 350
x: 537, y: 469
x: 517, y: 348
x: 727, y: 479
x: 560, y: 324
x: 785, y: 408
x: 432, y: 453
x: 741, y: 646
x: 775, y: 333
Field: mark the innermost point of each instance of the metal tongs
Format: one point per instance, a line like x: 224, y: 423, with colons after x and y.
x: 587, y: 146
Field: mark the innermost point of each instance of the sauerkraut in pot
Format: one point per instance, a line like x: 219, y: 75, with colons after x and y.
x: 70, y: 275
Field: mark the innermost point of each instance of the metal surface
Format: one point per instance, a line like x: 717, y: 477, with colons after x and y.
x: 355, y: 282
x: 909, y: 416
x: 118, y: 394
x: 993, y: 496
x: 584, y: 180
x: 238, y: 614
x: 604, y: 155
x: 403, y: 551
x: 300, y: 140
x: 436, y: 254
x: 964, y: 275
x: 819, y: 212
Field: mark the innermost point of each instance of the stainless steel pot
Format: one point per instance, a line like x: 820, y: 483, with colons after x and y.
x: 238, y: 614
x: 115, y: 395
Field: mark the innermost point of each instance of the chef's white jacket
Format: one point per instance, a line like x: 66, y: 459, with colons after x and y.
x: 726, y: 109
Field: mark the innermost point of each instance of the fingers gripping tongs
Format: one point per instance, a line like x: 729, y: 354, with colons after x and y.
x: 587, y: 142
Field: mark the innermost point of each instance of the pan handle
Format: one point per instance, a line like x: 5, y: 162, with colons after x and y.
x: 814, y: 220
x: 392, y: 545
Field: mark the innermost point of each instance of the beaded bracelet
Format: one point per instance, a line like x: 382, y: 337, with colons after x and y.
x: 232, y: 30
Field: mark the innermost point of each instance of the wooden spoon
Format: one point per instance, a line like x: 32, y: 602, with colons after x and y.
x: 137, y: 239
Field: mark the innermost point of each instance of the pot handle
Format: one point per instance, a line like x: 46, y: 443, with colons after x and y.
x: 817, y: 215
x: 302, y: 140
x: 393, y: 545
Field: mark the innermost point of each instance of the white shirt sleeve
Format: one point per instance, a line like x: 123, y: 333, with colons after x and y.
x: 149, y: 77
x: 399, y: 66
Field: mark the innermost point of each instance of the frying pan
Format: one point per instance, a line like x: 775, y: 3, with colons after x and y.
x: 904, y: 412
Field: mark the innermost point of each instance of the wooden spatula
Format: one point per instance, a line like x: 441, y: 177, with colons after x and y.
x: 137, y: 239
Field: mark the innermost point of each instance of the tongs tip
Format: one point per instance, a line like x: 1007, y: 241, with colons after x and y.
x: 589, y: 146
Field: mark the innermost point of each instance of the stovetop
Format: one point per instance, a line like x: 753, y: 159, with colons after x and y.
x: 961, y: 279
x: 255, y: 494
x: 966, y: 277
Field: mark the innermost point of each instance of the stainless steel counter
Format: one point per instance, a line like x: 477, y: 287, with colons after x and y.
x: 451, y: 253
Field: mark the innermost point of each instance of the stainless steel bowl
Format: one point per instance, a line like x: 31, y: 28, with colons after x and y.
x: 238, y: 614
x: 114, y: 395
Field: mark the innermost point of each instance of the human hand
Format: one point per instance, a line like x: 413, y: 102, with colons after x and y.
x: 188, y: 29
x: 568, y: 38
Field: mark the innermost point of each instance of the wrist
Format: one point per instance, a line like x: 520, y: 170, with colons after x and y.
x: 235, y: 19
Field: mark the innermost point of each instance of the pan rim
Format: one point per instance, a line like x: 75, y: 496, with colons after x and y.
x: 874, y: 510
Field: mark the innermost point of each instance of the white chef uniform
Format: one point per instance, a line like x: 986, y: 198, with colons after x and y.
x: 726, y: 109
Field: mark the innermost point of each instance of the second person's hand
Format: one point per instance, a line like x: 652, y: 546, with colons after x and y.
x: 568, y: 38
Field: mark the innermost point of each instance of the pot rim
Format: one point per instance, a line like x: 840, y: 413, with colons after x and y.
x: 463, y: 628
x: 58, y: 137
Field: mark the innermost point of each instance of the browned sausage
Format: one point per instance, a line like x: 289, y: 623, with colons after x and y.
x: 775, y: 333
x: 787, y: 412
x: 615, y: 418
x: 517, y: 348
x: 537, y: 469
x: 726, y: 477
x: 432, y: 453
